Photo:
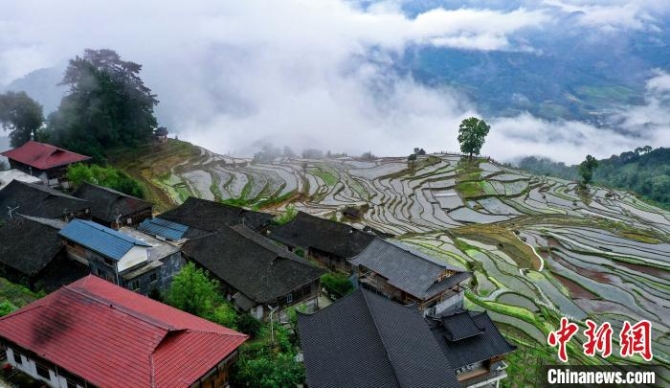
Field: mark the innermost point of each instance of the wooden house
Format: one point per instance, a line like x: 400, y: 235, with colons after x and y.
x: 258, y: 275
x: 40, y: 201
x: 47, y: 162
x: 474, y: 346
x: 330, y: 243
x: 410, y: 277
x: 32, y: 254
x: 112, y: 208
x: 92, y: 333
x: 366, y: 340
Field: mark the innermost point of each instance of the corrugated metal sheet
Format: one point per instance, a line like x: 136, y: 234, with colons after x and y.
x: 98, y: 238
x: 114, y: 337
x: 160, y: 227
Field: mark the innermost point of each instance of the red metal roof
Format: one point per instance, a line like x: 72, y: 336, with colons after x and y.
x: 113, y: 337
x: 43, y: 156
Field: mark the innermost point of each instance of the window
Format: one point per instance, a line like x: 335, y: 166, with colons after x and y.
x: 153, y: 277
x: 135, y: 285
x: 43, y: 371
x: 289, y: 298
x: 17, y: 358
x: 109, y: 262
x: 130, y: 221
x: 71, y: 384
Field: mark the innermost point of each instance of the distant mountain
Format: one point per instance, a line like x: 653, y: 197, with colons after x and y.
x: 646, y: 174
x: 566, y: 72
x: 42, y: 86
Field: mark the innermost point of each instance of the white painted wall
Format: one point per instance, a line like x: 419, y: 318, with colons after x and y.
x: 136, y: 255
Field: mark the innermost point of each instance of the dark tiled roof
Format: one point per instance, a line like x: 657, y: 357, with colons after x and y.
x: 364, y: 340
x: 38, y: 201
x: 409, y: 269
x: 460, y: 326
x: 251, y: 263
x: 211, y: 216
x: 28, y: 246
x: 107, y: 242
x: 108, y: 204
x: 308, y: 231
x: 489, y: 343
x: 43, y: 156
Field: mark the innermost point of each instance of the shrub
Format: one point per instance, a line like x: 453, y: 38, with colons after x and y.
x: 337, y: 284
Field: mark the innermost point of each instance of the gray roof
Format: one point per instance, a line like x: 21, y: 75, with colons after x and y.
x: 364, y: 340
x: 487, y: 342
x: 308, y: 231
x: 164, y: 228
x: 108, y: 204
x: 251, y: 263
x: 101, y: 239
x: 38, y: 201
x: 408, y: 269
x: 28, y: 246
x: 159, y: 249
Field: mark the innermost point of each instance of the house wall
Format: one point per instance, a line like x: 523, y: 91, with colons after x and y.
x: 41, y: 369
x: 329, y: 260
x: 217, y: 377
x: 100, y: 266
x: 129, y: 220
x: 159, y: 278
x: 136, y: 255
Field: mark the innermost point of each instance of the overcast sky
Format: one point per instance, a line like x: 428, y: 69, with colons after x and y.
x: 316, y: 73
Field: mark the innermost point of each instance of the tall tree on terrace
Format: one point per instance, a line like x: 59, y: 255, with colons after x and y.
x: 107, y: 105
x: 471, y: 134
x: 586, y: 169
x: 21, y: 115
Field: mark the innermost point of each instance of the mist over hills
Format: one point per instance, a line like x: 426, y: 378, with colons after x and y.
x: 558, y: 78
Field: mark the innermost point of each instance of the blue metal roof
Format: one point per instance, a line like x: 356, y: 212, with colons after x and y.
x: 98, y: 238
x: 160, y: 227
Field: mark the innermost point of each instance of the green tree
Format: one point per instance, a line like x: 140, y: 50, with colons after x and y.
x: 472, y: 134
x: 586, y: 169
x: 193, y: 291
x: 104, y: 176
x: 107, y: 105
x: 21, y: 115
x: 337, y: 284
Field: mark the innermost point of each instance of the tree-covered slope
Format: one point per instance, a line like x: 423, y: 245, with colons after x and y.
x: 644, y: 172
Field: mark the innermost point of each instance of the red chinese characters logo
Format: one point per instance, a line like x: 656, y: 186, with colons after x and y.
x: 636, y: 339
x: 562, y: 336
x: 633, y: 339
x: 599, y: 339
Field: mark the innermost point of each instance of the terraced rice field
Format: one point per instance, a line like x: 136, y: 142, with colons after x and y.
x: 539, y: 248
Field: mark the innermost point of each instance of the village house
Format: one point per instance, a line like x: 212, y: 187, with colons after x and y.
x: 203, y: 217
x: 32, y: 254
x: 95, y: 334
x: 474, y: 346
x: 112, y: 208
x: 125, y: 257
x: 47, y: 162
x: 7, y: 176
x: 365, y: 340
x: 410, y: 277
x: 258, y: 275
x: 330, y: 243
x: 40, y: 201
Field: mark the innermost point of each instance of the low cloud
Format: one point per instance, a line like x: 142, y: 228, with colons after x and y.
x: 305, y: 73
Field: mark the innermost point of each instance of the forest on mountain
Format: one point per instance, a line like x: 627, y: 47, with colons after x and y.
x: 644, y: 171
